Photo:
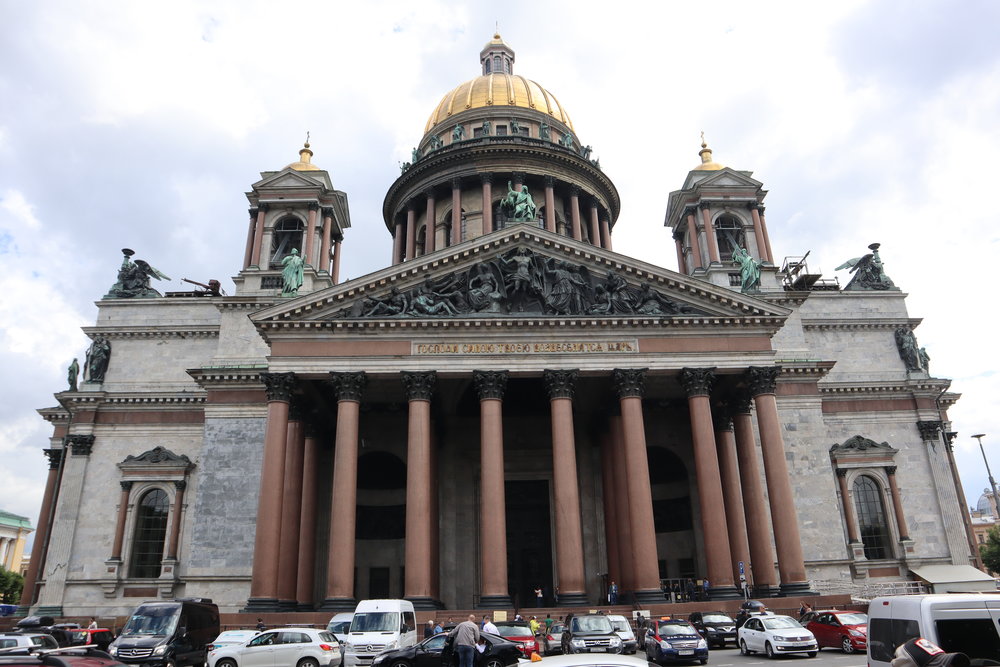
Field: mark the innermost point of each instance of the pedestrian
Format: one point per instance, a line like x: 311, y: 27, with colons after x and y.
x: 429, y: 629
x: 489, y: 627
x: 539, y: 597
x: 804, y: 608
x: 260, y: 625
x: 437, y: 628
x: 93, y: 623
x: 465, y: 637
x: 704, y: 589
x: 548, y: 623
x: 533, y: 624
x: 689, y: 590
x: 613, y: 593
x: 675, y: 591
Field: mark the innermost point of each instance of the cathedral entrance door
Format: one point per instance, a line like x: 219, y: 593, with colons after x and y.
x: 529, y: 541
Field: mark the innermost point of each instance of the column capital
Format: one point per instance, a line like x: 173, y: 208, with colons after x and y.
x: 54, y: 456
x: 697, y: 381
x: 456, y: 183
x: 180, y: 484
x: 264, y: 207
x: 419, y: 385
x: 841, y: 472
x: 574, y: 191
x: 328, y: 211
x: 518, y: 177
x: 949, y: 437
x: 561, y: 383
x: 486, y: 178
x: 890, y: 470
x: 252, y: 212
x: 760, y: 209
x: 126, y: 485
x: 739, y: 403
x: 349, y: 386
x: 929, y: 430
x: 762, y: 379
x: 704, y: 205
x: 278, y: 386
x: 490, y: 384
x: 81, y: 444
x: 752, y: 205
x: 550, y: 181
x: 314, y: 206
x: 594, y: 203
x: 338, y: 237
x: 722, y: 420
x: 630, y: 382
x: 690, y: 209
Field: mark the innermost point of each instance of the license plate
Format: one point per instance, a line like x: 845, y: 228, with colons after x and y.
x: 686, y: 651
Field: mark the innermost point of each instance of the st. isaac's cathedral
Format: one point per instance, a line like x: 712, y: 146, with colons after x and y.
x: 508, y: 405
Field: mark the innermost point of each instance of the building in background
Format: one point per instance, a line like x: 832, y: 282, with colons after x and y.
x: 14, y: 531
x: 507, y: 405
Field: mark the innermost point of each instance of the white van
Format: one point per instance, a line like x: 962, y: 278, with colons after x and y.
x: 379, y: 625
x: 963, y: 623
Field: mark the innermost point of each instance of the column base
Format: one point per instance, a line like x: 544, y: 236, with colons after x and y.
x: 305, y: 606
x: 338, y: 604
x: 288, y: 605
x: 494, y: 602
x: 649, y: 596
x: 55, y: 611
x: 796, y: 589
x: 724, y: 593
x: 425, y: 603
x: 257, y: 605
x: 765, y: 591
x: 572, y: 599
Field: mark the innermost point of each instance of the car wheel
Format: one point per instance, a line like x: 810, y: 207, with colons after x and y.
x: 743, y: 648
x: 847, y: 645
x: 704, y: 661
x: 226, y: 663
x: 493, y: 662
x: 769, y: 651
x: 308, y: 662
x: 812, y: 654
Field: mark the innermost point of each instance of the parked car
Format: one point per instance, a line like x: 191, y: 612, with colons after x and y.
x: 520, y: 633
x: 747, y: 609
x: 674, y: 640
x: 846, y: 630
x: 230, y: 637
x: 27, y: 641
x: 717, y: 627
x: 294, y: 647
x: 173, y: 633
x: 551, y: 640
x: 99, y: 637
x: 590, y: 633
x: 437, y: 652
x: 775, y: 635
x: 624, y: 630
x: 595, y: 660
x: 71, y: 656
x: 379, y: 625
x: 340, y: 626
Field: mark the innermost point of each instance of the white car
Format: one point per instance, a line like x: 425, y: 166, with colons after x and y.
x: 288, y: 647
x: 594, y: 660
x: 775, y: 635
x: 29, y: 642
x: 230, y: 637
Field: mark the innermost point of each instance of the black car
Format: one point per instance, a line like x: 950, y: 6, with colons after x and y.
x: 748, y: 609
x: 717, y: 627
x: 61, y: 657
x: 590, y: 633
x: 437, y: 652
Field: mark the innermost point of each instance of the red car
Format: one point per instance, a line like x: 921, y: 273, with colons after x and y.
x: 846, y: 630
x: 519, y: 633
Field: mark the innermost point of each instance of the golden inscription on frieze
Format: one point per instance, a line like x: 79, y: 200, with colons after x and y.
x: 528, y: 348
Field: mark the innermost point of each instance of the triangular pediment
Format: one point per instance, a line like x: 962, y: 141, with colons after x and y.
x: 521, y: 273
x: 724, y: 177
x: 290, y: 178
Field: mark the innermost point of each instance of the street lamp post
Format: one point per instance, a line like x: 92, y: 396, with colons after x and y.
x: 993, y: 482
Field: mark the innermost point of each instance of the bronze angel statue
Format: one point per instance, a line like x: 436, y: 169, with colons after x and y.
x: 868, y: 272
x: 133, y: 279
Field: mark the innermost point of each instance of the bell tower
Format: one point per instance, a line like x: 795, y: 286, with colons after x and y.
x: 293, y: 211
x: 716, y: 217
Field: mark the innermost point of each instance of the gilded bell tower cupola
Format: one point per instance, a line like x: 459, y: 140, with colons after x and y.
x: 297, y: 223
x: 719, y: 227
x: 497, y: 57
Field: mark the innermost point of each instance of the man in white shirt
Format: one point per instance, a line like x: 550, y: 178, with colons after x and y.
x: 488, y: 625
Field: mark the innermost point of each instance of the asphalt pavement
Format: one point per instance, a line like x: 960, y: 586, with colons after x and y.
x: 828, y: 657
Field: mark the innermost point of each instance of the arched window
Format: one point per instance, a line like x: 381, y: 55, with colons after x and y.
x: 487, y: 66
x: 287, y: 235
x: 422, y: 241
x: 729, y: 234
x: 150, y: 534
x: 496, y: 64
x: 872, y: 524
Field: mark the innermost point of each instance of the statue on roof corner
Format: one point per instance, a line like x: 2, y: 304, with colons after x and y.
x: 133, y: 279
x: 868, y: 271
x: 749, y: 270
x: 518, y: 206
x: 291, y: 273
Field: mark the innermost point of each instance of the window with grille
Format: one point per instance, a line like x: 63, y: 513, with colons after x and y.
x: 150, y: 534
x: 872, y: 522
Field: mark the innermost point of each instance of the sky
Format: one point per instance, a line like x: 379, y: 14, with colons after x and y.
x: 142, y: 125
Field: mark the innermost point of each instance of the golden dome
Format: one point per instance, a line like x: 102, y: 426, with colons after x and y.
x: 496, y: 90
x: 305, y: 161
x: 706, y: 158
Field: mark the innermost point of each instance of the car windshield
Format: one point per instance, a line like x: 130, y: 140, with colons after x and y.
x: 675, y: 629
x: 780, y: 623
x: 716, y: 618
x: 853, y: 619
x: 340, y: 627
x: 375, y: 621
x: 514, y: 630
x: 153, y: 620
x: 621, y: 625
x: 235, y: 636
x: 592, y: 624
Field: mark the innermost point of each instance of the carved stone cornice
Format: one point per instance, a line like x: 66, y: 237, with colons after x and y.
x: 929, y: 430
x: 126, y: 485
x: 156, y: 456
x: 419, y: 385
x: 81, y: 444
x: 630, y: 382
x: 561, y: 383
x: 54, y: 456
x: 349, y: 386
x: 490, y: 384
x: 697, y: 381
x: 762, y: 379
x: 278, y: 386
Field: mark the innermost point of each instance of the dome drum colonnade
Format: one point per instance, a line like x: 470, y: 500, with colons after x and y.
x: 735, y: 516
